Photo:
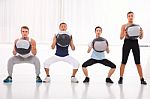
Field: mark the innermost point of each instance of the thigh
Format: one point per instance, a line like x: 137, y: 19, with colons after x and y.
x: 136, y: 53
x: 89, y: 62
x: 31, y: 59
x: 51, y: 60
x: 16, y: 60
x: 125, y: 51
x: 71, y: 60
x: 108, y: 63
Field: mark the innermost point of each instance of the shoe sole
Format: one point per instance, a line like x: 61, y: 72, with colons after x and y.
x: 75, y: 82
x: 38, y: 81
x: 7, y: 81
x: 86, y: 82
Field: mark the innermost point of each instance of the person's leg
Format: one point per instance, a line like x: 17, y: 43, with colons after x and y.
x: 84, y: 68
x: 47, y: 71
x: 122, y: 68
x: 75, y: 65
x: 47, y: 64
x: 111, y: 71
x: 74, y: 72
x: 125, y: 53
x: 36, y: 62
x: 50, y: 61
x: 73, y: 62
x: 136, y: 54
x: 11, y: 62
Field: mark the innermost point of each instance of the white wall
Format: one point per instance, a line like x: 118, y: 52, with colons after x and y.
x: 82, y: 16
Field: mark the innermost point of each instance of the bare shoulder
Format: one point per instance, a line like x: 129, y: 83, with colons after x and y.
x: 32, y: 39
x: 16, y: 40
x: 123, y: 26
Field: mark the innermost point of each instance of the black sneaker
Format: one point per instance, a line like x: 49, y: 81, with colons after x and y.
x: 108, y: 80
x: 120, y: 80
x: 8, y: 79
x: 86, y: 80
x: 38, y: 79
x: 143, y: 82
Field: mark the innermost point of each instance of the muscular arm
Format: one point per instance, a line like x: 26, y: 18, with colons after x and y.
x: 14, y: 51
x: 33, y: 47
x: 72, y: 44
x: 54, y: 42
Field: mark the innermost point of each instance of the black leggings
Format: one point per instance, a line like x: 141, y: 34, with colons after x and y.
x: 127, y: 46
x: 104, y: 62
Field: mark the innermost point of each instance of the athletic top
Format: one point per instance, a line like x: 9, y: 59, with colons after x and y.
x: 23, y: 47
x: 100, y: 44
x: 62, y: 51
x: 96, y: 55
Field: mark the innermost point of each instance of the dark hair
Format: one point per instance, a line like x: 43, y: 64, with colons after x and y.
x: 97, y: 28
x: 24, y: 27
x: 63, y: 23
x: 129, y: 13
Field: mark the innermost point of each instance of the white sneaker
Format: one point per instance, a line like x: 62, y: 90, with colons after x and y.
x: 47, y: 80
x: 74, y: 80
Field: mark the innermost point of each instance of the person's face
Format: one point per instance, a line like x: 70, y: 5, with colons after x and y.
x: 130, y: 17
x: 63, y: 27
x: 98, y: 31
x: 24, y: 32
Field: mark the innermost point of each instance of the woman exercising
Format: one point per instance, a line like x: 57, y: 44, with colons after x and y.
x: 130, y: 44
x: 98, y: 57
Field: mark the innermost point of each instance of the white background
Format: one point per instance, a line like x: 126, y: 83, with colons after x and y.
x: 82, y: 16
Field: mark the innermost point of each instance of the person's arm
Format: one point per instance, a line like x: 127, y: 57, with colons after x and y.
x: 14, y: 50
x: 72, y: 44
x: 89, y: 49
x: 54, y: 42
x: 107, y: 50
x: 123, y: 32
x: 141, y: 33
x: 90, y: 46
x: 33, y: 47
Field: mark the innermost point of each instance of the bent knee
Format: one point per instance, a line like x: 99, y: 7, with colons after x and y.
x: 113, y: 67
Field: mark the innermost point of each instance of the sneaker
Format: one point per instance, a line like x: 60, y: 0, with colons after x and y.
x: 143, y: 82
x: 8, y: 79
x: 74, y: 80
x: 38, y: 79
x: 120, y: 80
x: 47, y: 80
x: 108, y: 80
x: 86, y: 80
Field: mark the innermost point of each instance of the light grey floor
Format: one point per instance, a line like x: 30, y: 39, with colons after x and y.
x: 24, y: 86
